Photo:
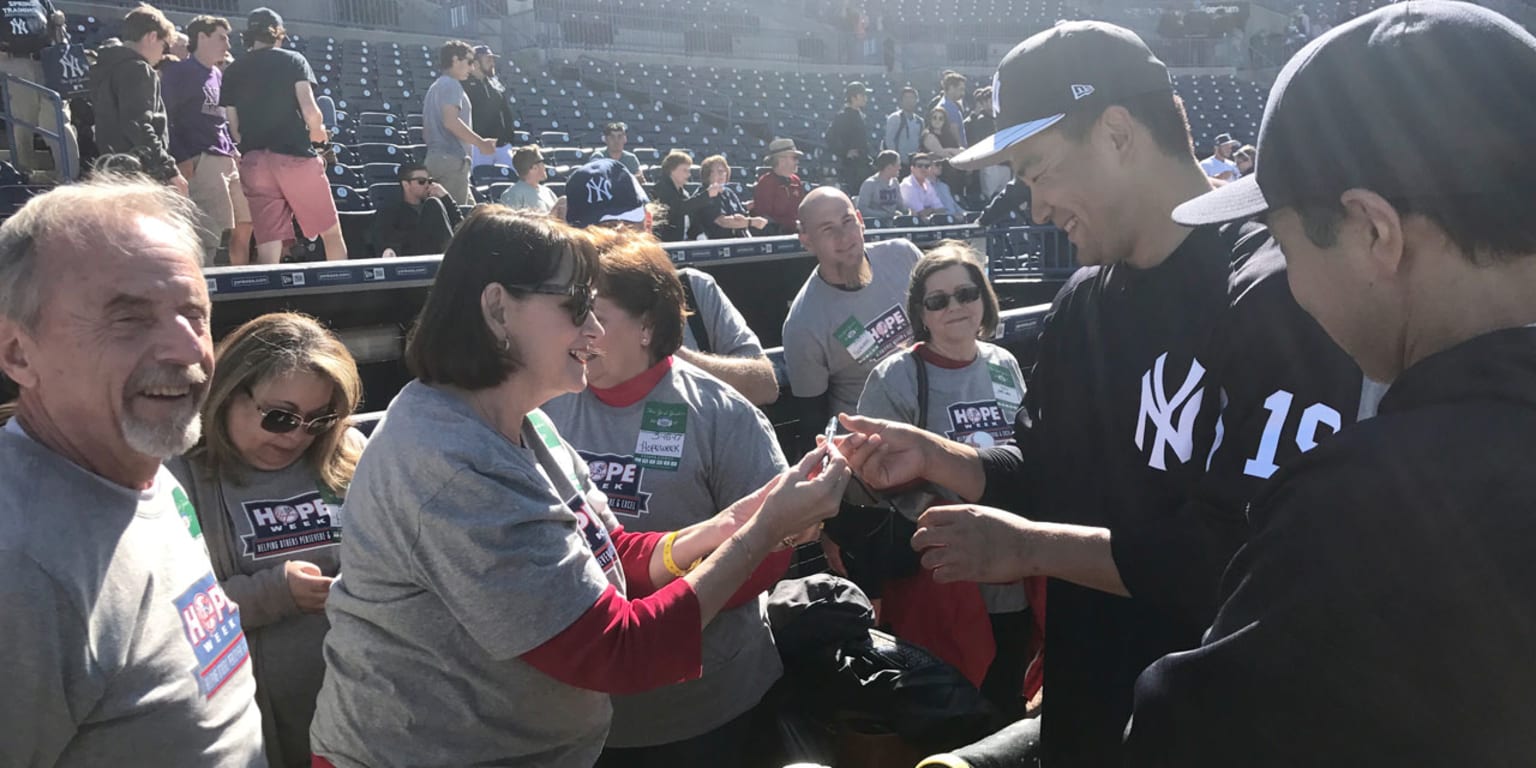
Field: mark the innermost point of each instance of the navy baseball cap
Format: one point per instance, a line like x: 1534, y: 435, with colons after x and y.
x: 1419, y: 98
x: 604, y: 190
x: 263, y: 18
x: 484, y: 50
x: 1073, y: 66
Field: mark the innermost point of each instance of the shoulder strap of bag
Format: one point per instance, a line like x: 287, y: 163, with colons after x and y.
x: 695, y: 320
x: 922, y: 392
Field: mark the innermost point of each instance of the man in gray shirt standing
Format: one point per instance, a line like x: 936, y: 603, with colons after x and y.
x: 446, y: 117
x: 121, y: 647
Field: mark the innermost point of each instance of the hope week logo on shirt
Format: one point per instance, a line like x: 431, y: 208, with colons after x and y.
x: 595, y: 534
x: 211, y: 623
x: 284, y: 526
x: 620, y: 478
x: 980, y: 423
x: 882, y: 336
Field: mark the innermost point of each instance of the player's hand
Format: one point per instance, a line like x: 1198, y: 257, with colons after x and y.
x: 885, y: 454
x: 968, y: 542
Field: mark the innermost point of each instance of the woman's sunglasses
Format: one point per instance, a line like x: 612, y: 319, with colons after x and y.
x: 938, y: 302
x: 578, y: 300
x: 281, y: 422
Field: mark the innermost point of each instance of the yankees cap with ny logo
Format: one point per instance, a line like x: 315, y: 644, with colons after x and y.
x: 1073, y: 66
x: 604, y: 190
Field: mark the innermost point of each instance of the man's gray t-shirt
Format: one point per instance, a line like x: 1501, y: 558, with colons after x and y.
x: 716, y: 447
x: 729, y: 335
x: 880, y: 198
x: 974, y: 405
x: 463, y: 552
x: 525, y: 195
x: 445, y: 92
x: 628, y: 159
x: 121, y: 648
x: 833, y: 338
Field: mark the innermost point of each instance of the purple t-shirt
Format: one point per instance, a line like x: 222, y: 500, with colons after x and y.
x: 198, y: 125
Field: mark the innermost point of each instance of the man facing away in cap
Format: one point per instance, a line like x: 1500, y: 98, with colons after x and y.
x: 1382, y: 612
x: 121, y: 648
x: 1175, y: 373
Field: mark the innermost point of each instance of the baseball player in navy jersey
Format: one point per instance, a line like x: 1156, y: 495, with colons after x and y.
x: 1381, y: 612
x: 1175, y: 374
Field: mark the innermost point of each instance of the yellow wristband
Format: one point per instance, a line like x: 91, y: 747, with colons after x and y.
x: 666, y: 557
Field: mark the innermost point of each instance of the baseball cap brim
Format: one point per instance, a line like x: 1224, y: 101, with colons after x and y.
x: 635, y: 216
x: 1242, y: 199
x: 989, y: 150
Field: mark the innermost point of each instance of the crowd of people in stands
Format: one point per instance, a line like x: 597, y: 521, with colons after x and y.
x: 1275, y: 422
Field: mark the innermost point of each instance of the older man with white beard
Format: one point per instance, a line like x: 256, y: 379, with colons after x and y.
x: 120, y: 645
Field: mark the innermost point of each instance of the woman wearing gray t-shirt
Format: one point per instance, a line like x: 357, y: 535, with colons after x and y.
x: 719, y: 449
x: 267, y: 484
x: 967, y: 390
x: 491, y: 600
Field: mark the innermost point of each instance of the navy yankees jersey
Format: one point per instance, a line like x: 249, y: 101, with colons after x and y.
x: 1160, y: 402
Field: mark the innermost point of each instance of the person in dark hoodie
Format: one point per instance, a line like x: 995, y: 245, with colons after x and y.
x: 1381, y: 612
x: 125, y: 91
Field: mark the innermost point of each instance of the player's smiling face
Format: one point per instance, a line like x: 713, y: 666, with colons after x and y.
x: 1076, y: 186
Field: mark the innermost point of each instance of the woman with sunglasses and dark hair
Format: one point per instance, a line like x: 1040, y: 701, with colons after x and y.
x: 491, y: 600
x: 267, y: 483
x: 954, y: 384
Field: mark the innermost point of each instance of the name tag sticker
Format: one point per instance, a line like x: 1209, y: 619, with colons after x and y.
x: 663, y: 428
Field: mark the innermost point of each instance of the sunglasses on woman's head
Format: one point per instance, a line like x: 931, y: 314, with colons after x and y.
x: 938, y: 302
x: 281, y: 422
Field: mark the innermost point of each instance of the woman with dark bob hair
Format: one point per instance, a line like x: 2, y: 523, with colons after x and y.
x: 723, y: 448
x: 267, y: 485
x: 956, y: 385
x: 490, y: 601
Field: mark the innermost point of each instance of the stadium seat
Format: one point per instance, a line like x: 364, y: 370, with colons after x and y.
x: 380, y: 173
x: 384, y: 195
x: 10, y: 176
x: 379, y: 118
x: 349, y: 199
x: 341, y: 174
x: 13, y: 198
x: 379, y: 153
x: 386, y: 134
x: 497, y: 190
x: 486, y: 175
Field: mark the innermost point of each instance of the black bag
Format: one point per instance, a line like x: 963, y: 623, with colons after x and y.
x: 874, y: 537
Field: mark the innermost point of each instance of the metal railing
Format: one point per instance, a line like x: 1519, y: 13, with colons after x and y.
x: 67, y: 162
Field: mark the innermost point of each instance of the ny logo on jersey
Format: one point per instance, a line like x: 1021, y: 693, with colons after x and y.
x: 1173, y: 419
x: 72, y: 66
x: 599, y: 189
x: 19, y: 27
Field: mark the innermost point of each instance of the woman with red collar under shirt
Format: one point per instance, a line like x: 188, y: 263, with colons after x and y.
x: 670, y: 445
x: 974, y: 391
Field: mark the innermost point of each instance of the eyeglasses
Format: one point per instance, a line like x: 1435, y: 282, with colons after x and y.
x: 922, y: 165
x: 938, y: 302
x: 578, y: 301
x: 420, y: 181
x: 281, y: 422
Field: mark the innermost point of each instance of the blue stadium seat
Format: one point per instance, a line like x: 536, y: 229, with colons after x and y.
x: 379, y: 153
x: 386, y: 134
x: 349, y: 199
x: 486, y: 175
x: 384, y: 195
x: 379, y: 118
x: 380, y: 173
x: 10, y: 176
x: 341, y: 174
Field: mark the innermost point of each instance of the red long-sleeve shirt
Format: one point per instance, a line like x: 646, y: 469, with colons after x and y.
x: 650, y: 640
x: 777, y: 199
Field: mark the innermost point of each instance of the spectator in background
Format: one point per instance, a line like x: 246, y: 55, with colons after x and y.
x: 1245, y: 158
x: 986, y: 183
x: 778, y: 192
x: 269, y: 97
x: 849, y: 314
x: 446, y: 117
x: 275, y: 436
x: 179, y: 49
x: 615, y: 136
x: 1220, y: 164
x: 880, y: 195
x: 981, y: 123
x: 904, y: 129
x: 725, y: 217
x: 923, y: 193
x: 934, y: 136
x: 950, y: 98
x: 29, y: 27
x: 1013, y: 198
x: 200, y: 141
x: 492, y: 113
x: 104, y: 322
x: 529, y: 191
x: 680, y: 213
x: 716, y: 337
x: 125, y: 89
x: 848, y: 140
x: 422, y: 222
